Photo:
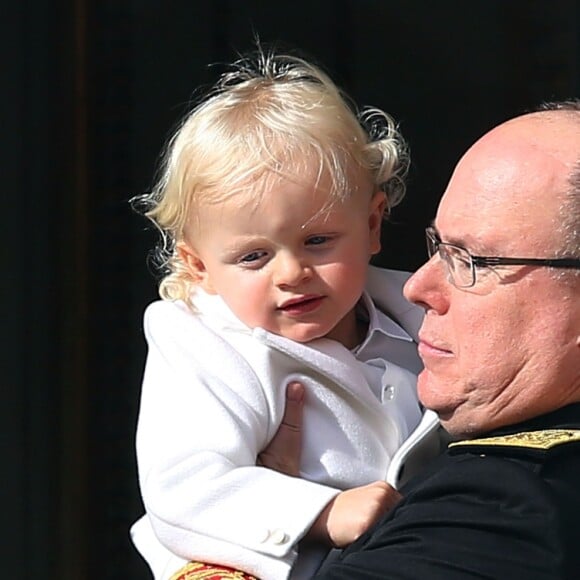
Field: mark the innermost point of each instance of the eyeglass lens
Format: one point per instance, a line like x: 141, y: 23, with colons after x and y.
x: 458, y: 261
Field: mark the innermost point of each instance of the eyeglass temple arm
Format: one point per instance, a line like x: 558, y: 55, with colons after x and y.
x: 555, y: 262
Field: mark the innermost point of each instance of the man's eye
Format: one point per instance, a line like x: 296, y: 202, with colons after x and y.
x: 456, y: 257
x: 463, y: 262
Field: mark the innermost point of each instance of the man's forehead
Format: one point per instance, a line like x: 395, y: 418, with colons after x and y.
x: 491, y: 179
x: 505, y: 186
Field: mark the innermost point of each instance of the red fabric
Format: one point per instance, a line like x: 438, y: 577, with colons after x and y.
x: 202, y: 571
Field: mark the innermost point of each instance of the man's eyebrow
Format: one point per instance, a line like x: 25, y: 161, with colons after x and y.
x: 448, y: 241
x: 460, y: 242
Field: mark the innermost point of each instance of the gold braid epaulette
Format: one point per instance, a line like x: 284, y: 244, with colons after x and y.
x: 541, y: 440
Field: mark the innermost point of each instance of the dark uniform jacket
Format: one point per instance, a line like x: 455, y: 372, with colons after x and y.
x: 506, y: 506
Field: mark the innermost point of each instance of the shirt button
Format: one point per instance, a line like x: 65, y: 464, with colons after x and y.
x: 388, y: 393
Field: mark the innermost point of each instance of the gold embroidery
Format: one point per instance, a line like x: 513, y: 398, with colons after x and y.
x: 202, y: 571
x: 544, y: 440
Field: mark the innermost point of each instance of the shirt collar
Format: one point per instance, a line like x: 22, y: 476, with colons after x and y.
x: 378, y: 322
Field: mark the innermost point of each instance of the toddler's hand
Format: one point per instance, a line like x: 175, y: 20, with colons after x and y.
x: 353, y: 512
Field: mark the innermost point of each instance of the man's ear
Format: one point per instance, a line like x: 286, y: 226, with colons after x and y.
x: 377, y: 208
x: 195, y: 266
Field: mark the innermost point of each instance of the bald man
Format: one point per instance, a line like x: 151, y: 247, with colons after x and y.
x: 501, y: 347
x: 500, y: 343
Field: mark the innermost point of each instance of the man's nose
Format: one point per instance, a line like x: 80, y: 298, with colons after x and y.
x: 428, y: 286
x: 291, y: 270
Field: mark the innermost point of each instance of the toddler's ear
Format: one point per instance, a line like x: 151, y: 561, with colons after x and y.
x: 195, y: 266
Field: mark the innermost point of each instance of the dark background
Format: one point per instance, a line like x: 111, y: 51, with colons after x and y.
x: 90, y: 93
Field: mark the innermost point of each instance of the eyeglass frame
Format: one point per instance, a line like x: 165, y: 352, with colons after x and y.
x: 434, y: 244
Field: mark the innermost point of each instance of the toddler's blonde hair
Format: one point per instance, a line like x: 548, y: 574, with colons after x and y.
x: 268, y: 115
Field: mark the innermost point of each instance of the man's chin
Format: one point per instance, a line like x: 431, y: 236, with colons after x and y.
x: 429, y: 392
x: 447, y: 415
x: 460, y: 426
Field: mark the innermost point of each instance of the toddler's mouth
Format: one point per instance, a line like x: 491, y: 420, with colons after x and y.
x: 301, y: 305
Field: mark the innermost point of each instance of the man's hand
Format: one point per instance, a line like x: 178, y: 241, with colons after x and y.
x: 284, y: 451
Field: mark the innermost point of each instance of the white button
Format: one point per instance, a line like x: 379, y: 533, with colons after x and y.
x: 278, y: 537
x: 388, y: 393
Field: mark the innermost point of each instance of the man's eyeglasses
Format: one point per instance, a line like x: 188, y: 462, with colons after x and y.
x: 461, y: 264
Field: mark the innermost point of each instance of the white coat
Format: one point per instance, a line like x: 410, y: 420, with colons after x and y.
x: 213, y: 397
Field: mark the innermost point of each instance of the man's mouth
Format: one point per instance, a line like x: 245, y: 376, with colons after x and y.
x: 431, y: 348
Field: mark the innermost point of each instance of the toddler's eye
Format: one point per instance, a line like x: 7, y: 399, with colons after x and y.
x: 317, y: 240
x: 252, y: 257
